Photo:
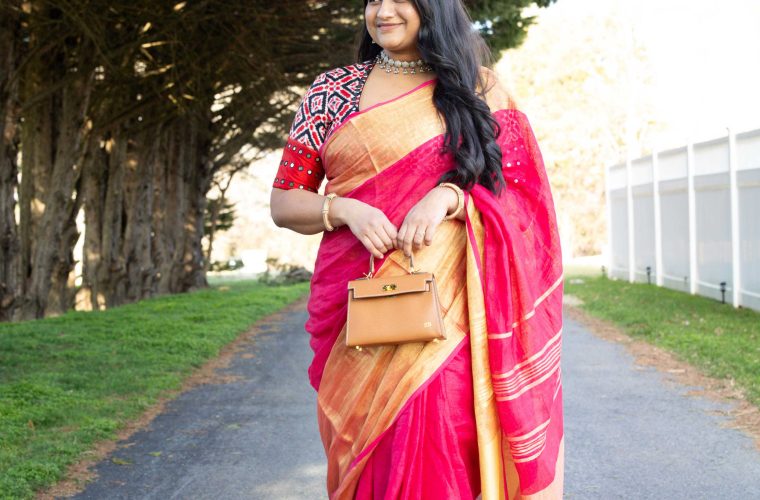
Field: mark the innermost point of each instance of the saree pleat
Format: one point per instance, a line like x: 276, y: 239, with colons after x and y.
x: 481, y: 411
x: 487, y: 420
x: 434, y: 437
x: 385, y: 379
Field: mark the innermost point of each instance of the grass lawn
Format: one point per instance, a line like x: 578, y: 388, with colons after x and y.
x: 69, y: 381
x: 722, y: 341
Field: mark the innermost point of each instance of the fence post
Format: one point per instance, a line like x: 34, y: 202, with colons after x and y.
x: 693, y: 269
x: 657, y: 219
x: 608, y: 204
x: 736, y: 262
x: 629, y: 205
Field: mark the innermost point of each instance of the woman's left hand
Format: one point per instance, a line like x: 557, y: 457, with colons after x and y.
x: 423, y: 219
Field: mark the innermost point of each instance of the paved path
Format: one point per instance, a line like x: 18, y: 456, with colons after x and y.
x: 628, y: 434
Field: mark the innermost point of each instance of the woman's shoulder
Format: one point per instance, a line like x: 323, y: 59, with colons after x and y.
x: 333, y: 95
x: 494, y: 91
x: 346, y: 76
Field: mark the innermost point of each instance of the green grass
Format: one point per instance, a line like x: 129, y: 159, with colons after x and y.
x: 722, y: 341
x: 69, y: 381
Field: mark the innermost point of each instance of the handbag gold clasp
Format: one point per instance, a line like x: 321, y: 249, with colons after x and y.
x: 389, y: 287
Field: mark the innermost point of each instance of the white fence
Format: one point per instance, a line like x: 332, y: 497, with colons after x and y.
x: 689, y: 219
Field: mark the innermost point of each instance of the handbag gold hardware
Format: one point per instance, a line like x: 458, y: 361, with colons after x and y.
x: 393, y: 309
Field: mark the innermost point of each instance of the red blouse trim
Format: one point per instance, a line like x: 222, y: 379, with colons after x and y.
x: 300, y: 168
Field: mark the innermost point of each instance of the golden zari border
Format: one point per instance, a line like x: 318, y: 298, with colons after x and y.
x: 362, y: 392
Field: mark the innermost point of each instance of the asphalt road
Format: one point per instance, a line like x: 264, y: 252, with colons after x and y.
x: 628, y: 434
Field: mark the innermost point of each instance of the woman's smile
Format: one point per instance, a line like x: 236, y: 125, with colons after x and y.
x: 384, y: 27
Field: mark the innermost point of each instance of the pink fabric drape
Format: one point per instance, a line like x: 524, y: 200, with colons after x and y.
x: 430, y: 451
x: 341, y: 257
x: 523, y: 286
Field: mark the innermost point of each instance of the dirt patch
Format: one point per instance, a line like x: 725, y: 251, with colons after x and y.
x: 80, y: 473
x: 743, y: 415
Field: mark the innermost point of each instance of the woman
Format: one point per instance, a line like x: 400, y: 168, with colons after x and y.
x: 479, y: 413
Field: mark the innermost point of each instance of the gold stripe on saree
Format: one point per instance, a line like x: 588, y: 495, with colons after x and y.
x: 362, y: 392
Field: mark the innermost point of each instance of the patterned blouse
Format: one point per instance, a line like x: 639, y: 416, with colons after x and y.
x: 333, y: 97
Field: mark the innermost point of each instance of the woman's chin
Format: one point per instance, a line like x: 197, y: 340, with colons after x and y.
x: 395, y: 45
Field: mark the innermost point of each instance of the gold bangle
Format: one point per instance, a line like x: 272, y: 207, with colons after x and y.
x: 326, y: 208
x: 460, y: 199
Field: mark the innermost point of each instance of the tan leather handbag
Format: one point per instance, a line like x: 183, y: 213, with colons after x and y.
x: 393, y: 309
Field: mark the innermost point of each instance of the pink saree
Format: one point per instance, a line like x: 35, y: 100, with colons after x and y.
x: 481, y: 412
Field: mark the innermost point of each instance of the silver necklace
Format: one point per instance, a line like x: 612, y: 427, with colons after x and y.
x: 406, y: 67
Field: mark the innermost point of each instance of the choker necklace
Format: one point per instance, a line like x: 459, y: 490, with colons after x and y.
x: 405, y: 67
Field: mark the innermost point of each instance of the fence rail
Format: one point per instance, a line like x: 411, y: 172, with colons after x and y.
x: 689, y: 218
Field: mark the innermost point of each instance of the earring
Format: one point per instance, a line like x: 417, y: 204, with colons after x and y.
x: 373, y: 42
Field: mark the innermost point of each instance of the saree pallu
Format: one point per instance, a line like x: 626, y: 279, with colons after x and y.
x: 479, y: 413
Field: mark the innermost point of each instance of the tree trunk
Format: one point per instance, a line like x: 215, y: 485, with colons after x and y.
x: 94, y: 180
x: 168, y: 206
x: 213, y: 216
x: 110, y: 272
x: 198, y: 183
x: 55, y: 233
x: 179, y: 204
x: 10, y: 252
x: 38, y: 136
x: 138, y: 235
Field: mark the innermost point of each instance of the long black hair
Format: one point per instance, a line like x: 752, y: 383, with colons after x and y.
x: 456, y: 51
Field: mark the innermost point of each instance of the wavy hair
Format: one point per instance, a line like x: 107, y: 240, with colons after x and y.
x: 449, y: 42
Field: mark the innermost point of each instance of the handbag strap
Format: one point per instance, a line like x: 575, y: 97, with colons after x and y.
x: 372, y: 264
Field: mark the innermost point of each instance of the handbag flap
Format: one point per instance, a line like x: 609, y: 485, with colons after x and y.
x: 390, y: 285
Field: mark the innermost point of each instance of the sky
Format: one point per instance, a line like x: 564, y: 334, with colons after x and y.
x: 705, y: 55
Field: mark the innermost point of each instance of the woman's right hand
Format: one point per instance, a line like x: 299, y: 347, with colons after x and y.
x: 369, y: 224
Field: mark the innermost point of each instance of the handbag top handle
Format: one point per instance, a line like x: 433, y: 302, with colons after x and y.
x: 372, y: 264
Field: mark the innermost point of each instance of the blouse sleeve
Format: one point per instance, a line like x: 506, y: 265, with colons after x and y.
x: 300, y: 165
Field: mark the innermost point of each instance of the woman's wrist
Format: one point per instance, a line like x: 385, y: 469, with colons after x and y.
x: 337, y: 213
x: 451, y: 199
